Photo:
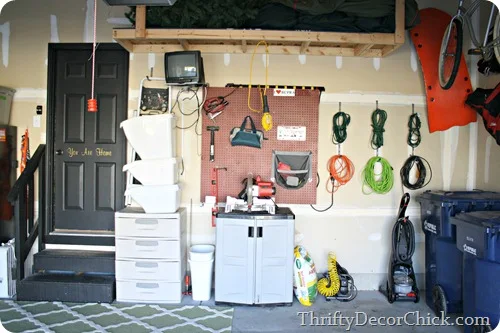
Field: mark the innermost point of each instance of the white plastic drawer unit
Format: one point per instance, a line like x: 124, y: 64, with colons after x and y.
x: 147, y: 227
x: 148, y: 269
x: 148, y: 291
x: 147, y: 248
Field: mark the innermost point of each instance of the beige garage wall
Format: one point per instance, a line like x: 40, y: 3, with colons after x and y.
x: 358, y: 227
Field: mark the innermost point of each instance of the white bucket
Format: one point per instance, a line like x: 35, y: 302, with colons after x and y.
x: 162, y: 171
x: 201, y: 252
x: 6, y: 95
x: 201, y: 279
x: 152, y: 136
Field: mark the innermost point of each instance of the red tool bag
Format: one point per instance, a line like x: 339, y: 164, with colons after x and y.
x: 487, y: 103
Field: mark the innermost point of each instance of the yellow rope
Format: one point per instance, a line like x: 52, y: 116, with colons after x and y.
x: 251, y: 70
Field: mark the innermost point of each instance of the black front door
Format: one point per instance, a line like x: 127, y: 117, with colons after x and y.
x: 88, y: 149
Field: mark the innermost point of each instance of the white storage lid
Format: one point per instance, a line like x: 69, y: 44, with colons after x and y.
x: 138, y: 212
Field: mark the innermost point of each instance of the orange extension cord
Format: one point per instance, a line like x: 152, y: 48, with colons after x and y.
x: 341, y: 169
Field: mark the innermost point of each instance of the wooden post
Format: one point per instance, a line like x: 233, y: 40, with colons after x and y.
x: 140, y: 22
x: 304, y: 46
x: 399, y: 34
x: 41, y: 205
x: 184, y: 43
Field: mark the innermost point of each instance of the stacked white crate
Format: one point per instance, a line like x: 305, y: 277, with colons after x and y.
x: 150, y: 256
x: 150, y: 241
x: 153, y: 138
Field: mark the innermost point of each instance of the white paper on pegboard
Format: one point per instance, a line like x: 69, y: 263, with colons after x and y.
x: 292, y: 133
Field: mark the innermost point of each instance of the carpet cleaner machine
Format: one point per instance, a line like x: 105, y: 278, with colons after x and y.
x: 401, y: 282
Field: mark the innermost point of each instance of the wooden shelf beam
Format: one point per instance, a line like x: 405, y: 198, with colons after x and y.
x: 141, y: 39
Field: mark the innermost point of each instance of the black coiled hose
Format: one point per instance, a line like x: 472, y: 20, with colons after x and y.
x: 403, y: 240
x: 422, y: 166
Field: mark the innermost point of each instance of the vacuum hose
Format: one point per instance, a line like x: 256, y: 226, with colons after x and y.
x: 403, y: 240
x: 330, y: 287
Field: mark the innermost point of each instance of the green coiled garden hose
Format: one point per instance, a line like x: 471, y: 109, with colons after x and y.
x: 339, y: 127
x: 380, y: 183
x: 414, y: 137
x: 379, y: 118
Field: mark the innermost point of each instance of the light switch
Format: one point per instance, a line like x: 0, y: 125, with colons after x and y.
x: 37, y: 121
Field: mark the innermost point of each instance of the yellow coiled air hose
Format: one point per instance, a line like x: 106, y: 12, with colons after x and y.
x: 330, y: 287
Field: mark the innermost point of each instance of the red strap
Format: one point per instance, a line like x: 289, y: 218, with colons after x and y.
x: 295, y: 5
x: 493, y: 94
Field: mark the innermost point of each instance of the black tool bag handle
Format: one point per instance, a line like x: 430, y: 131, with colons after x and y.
x: 244, y: 124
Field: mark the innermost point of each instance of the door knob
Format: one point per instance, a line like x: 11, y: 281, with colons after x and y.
x: 59, y: 152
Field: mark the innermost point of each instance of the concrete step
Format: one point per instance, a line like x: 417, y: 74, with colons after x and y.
x: 79, y: 288
x: 77, y: 261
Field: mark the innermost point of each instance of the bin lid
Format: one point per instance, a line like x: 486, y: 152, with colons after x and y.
x: 485, y: 219
x: 453, y: 197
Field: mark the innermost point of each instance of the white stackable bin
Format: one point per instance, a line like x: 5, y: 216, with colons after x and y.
x: 152, y: 136
x: 201, y: 262
x: 156, y: 198
x: 6, y: 95
x: 164, y: 171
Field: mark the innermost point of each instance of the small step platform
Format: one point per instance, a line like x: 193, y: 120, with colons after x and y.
x: 79, y: 288
x: 76, y: 261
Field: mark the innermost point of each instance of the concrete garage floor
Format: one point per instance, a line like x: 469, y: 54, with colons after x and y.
x: 248, y: 319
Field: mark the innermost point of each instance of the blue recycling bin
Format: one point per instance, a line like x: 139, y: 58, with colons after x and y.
x: 478, y: 237
x: 443, y: 261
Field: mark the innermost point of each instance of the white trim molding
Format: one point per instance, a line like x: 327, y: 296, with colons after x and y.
x: 368, y: 98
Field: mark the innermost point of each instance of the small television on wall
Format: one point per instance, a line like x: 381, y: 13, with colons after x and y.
x: 184, y: 67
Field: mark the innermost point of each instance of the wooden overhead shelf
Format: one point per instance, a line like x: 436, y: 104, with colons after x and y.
x: 349, y: 44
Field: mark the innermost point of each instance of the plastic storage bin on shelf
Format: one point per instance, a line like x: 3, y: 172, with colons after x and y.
x: 156, y: 198
x: 6, y: 95
x: 443, y: 261
x: 163, y: 171
x: 478, y: 237
x: 152, y: 136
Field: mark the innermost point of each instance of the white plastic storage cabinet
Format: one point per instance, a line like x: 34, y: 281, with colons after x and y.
x: 254, y: 257
x: 150, y: 256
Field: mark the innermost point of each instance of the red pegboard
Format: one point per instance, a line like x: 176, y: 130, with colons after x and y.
x: 300, y: 110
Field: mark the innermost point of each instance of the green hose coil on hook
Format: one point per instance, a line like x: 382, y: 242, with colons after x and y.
x: 383, y: 181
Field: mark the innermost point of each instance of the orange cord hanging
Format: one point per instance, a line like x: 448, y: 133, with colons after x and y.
x: 25, y: 150
x: 341, y: 169
x: 92, y: 103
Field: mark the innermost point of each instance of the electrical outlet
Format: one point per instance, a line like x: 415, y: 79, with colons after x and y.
x: 37, y: 121
x: 39, y: 109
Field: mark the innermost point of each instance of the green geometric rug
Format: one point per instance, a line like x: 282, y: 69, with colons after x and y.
x: 40, y: 317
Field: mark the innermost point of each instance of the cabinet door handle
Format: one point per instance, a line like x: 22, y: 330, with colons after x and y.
x: 250, y: 232
x: 259, y: 232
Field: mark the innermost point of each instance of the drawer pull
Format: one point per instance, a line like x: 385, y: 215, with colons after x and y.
x: 146, y: 243
x: 143, y: 285
x: 147, y: 223
x: 146, y: 264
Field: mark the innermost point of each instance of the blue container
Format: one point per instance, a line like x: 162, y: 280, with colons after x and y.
x: 478, y: 233
x: 443, y: 261
x: 478, y: 237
